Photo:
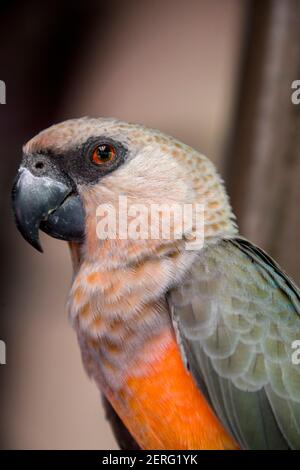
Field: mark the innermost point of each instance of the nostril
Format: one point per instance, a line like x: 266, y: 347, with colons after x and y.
x: 39, y: 165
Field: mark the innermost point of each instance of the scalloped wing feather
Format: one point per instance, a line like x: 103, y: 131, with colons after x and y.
x: 237, y: 315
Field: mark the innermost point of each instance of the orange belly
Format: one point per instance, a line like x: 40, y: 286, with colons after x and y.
x: 163, y: 408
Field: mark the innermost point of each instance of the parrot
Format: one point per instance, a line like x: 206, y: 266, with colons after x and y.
x: 191, y: 349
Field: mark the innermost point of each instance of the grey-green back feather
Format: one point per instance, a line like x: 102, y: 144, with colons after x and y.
x: 237, y: 315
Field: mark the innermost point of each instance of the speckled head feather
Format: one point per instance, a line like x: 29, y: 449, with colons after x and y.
x: 158, y: 168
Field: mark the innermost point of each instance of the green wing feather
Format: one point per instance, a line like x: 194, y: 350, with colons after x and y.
x: 237, y: 316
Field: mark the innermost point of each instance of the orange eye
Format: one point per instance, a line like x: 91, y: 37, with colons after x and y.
x: 104, y: 153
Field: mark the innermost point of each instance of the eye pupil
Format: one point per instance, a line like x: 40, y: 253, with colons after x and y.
x: 103, y: 153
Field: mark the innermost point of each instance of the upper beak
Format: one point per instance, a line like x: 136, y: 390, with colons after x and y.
x: 42, y: 202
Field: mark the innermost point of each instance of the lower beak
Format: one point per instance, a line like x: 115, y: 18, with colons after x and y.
x: 40, y: 202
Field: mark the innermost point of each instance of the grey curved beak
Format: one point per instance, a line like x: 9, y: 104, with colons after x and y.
x: 41, y: 202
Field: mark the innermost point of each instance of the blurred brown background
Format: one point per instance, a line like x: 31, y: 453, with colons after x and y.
x: 217, y: 75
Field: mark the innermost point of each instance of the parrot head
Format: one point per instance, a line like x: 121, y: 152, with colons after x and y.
x: 70, y: 168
